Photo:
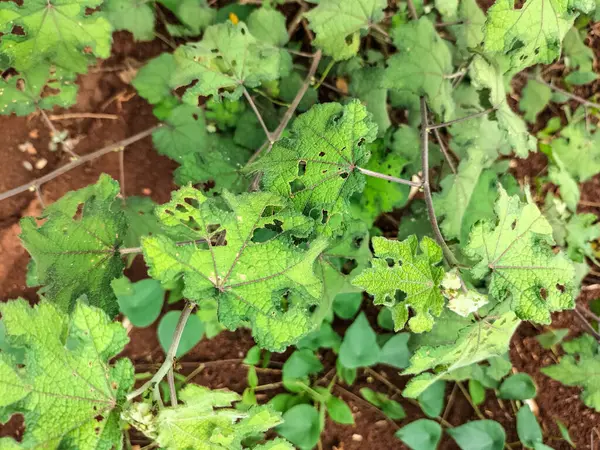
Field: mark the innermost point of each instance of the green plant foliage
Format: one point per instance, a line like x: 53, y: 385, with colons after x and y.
x: 183, y: 134
x: 528, y: 429
x: 579, y: 367
x: 422, y: 66
x: 422, y: 434
x: 58, y: 32
x: 519, y: 386
x: 479, y: 435
x: 76, y: 249
x: 268, y: 25
x: 414, y: 273
x: 582, y: 230
x: 194, y: 15
x: 134, y: 16
x: 517, y: 252
x: 241, y: 273
x: 153, y: 80
x: 389, y: 407
x: 339, y: 411
x: 192, y: 332
x: 534, y: 99
x: 359, y: 347
x: 365, y: 85
x: 141, y: 302
x: 301, y: 364
x: 579, y: 150
x: 22, y: 93
x: 228, y: 58
x: 553, y: 337
x: 316, y: 166
x: 395, y: 351
x: 301, y: 426
x: 68, y: 392
x: 432, y: 399
x: 337, y: 24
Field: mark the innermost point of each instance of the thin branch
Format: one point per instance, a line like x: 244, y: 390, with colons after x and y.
x: 258, y: 115
x: 588, y: 313
x: 427, y: 187
x: 55, y: 133
x: 167, y: 365
x: 388, y: 177
x: 581, y: 100
x: 412, y: 10
x: 172, y: 390
x: 122, y: 176
x: 588, y: 325
x: 444, y: 150
x: 69, y: 116
x: 78, y: 162
x: 449, y: 24
x: 461, y: 119
x: 470, y: 400
x: 38, y: 193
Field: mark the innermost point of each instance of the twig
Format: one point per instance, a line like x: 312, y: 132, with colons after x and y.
x: 69, y: 116
x: 366, y: 403
x: 444, y: 150
x: 76, y: 163
x: 258, y: 115
x: 55, y: 133
x: 588, y: 325
x: 38, y: 193
x: 427, y: 187
x: 468, y: 398
x: 172, y: 390
x: 171, y: 352
x: 412, y: 10
x: 449, y: 24
x: 122, y: 176
x: 461, y: 119
x: 388, y: 177
x: 581, y: 100
x: 588, y: 313
x: 324, y: 74
x: 588, y: 203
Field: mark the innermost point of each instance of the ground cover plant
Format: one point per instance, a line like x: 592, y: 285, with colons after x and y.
x: 352, y: 207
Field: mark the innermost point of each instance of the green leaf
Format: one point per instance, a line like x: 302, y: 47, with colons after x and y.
x: 348, y: 376
x: 486, y: 77
x: 207, y: 422
x: 268, y: 25
x: 416, y: 274
x: 76, y: 249
x: 38, y: 87
x: 324, y: 337
x: 577, y: 55
x: 141, y: 221
x: 529, y: 35
x: 479, y: 435
x: 192, y: 332
x: 184, y: 133
x: 519, y: 386
x: 300, y: 364
x: 432, y: 399
x: 582, y: 231
x: 153, y: 80
x: 248, y: 277
x: 134, y: 16
x: 579, y: 78
x: 422, y: 434
x: 422, y: 66
x: 227, y: 59
x: 141, y: 302
x: 316, y: 165
x: 569, y: 188
x: 195, y: 16
x: 578, y: 150
x: 475, y: 343
x: 339, y: 411
x: 359, y: 347
x: 517, y: 253
x: 553, y: 337
x: 301, y: 426
x: 476, y: 392
x: 59, y: 32
x: 580, y: 367
x: 253, y: 356
x: 534, y: 98
x: 289, y: 87
x: 365, y: 84
x: 389, y: 407
x: 395, y: 351
x: 564, y: 432
x: 67, y: 369
x: 528, y: 429
x: 469, y: 33
x: 346, y: 305
x: 338, y: 23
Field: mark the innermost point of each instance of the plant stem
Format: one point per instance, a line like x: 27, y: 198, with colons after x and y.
x: 448, y: 24
x: 69, y: 116
x: 412, y: 10
x: 258, y: 115
x: 427, y: 188
x: 581, y: 100
x: 122, y: 176
x: 461, y: 119
x: 171, y: 352
x: 38, y: 193
x: 78, y: 162
x: 172, y: 390
x: 388, y: 177
x: 468, y: 397
x: 444, y: 150
x: 324, y: 75
x: 588, y: 325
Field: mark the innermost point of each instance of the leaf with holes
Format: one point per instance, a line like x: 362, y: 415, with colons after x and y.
x: 194, y: 15
x: 39, y: 87
x: 68, y: 392
x: 337, y: 24
x: 134, y: 16
x: 76, y: 249
x: 517, y: 253
x: 227, y: 60
x: 243, y: 257
x: 422, y: 66
x: 316, y: 167
x: 59, y: 32
x: 414, y: 273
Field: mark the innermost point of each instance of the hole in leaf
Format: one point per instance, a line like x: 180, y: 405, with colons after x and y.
x: 324, y: 217
x: 349, y: 39
x: 513, y: 225
x: 361, y: 141
x: 344, y: 175
x: 99, y: 417
x: 348, y: 266
x: 195, y: 116
x: 561, y: 288
x: 296, y: 186
x: 18, y: 30
x: 301, y: 168
x: 79, y: 212
x: 321, y: 153
x: 390, y: 262
x: 543, y: 293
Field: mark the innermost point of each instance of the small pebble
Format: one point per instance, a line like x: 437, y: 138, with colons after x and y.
x: 357, y: 437
x: 34, y: 134
x: 146, y: 191
x: 28, y: 165
x: 41, y: 163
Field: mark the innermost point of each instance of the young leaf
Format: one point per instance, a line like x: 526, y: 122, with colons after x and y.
x: 300, y: 364
x: 359, y: 347
x: 517, y: 250
x: 534, y: 99
x: 365, y: 85
x: 339, y: 411
x: 416, y: 274
x: 469, y: 33
x: 68, y: 392
x: 528, y: 429
x: 553, y: 337
x: 194, y: 15
x: 192, y: 333
x: 134, y: 16
x: 244, y: 259
x: 153, y: 80
x: 22, y: 93
x: 389, y: 407
x: 59, y: 32
x: 580, y: 367
x: 395, y: 351
x: 268, y: 25
x: 76, y: 250
x: 475, y: 343
x: 519, y: 386
x: 316, y: 165
x: 141, y: 302
x: 422, y: 65
x: 479, y: 435
x: 422, y: 434
x: 184, y: 133
x: 227, y: 59
x: 207, y: 422
x: 579, y: 150
x: 342, y: 41
x: 577, y: 54
x: 301, y: 426
x: 582, y: 231
x: 432, y: 399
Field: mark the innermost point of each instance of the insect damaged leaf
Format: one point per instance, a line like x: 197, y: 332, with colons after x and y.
x: 243, y: 256
x: 76, y: 249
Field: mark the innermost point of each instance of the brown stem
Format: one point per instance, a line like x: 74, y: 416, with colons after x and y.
x: 444, y: 150
x: 387, y: 177
x: 581, y: 100
x: 461, y: 119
